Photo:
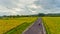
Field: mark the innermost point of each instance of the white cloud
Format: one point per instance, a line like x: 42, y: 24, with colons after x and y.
x: 32, y: 6
x: 34, y: 12
x: 13, y: 7
x: 16, y: 9
x: 48, y: 6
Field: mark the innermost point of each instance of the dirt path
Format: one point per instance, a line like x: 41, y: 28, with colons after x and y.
x: 36, y: 28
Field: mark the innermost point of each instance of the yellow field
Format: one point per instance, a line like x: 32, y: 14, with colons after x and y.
x: 52, y: 24
x: 7, y: 24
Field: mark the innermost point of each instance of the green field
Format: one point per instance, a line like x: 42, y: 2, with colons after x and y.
x: 15, y: 25
x: 18, y: 25
x: 52, y: 25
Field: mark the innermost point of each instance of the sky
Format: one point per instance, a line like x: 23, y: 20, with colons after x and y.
x: 28, y: 7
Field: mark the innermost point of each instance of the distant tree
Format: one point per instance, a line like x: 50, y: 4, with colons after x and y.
x: 4, y: 16
x: 18, y: 15
x: 41, y: 14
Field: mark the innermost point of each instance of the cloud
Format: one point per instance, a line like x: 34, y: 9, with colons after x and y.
x: 49, y: 6
x: 26, y: 7
x: 13, y: 7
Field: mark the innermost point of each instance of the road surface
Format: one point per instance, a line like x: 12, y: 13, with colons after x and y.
x: 36, y: 28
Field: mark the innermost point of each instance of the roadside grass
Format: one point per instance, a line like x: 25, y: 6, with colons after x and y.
x: 7, y: 24
x: 19, y: 29
x: 52, y: 25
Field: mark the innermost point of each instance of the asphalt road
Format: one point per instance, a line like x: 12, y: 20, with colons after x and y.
x: 36, y: 28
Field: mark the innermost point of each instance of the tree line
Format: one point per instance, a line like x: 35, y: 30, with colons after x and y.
x: 35, y: 15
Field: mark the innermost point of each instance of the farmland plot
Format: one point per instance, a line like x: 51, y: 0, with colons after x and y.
x: 52, y: 24
x: 7, y: 24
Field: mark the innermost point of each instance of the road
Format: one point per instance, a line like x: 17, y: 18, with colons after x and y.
x: 36, y: 28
